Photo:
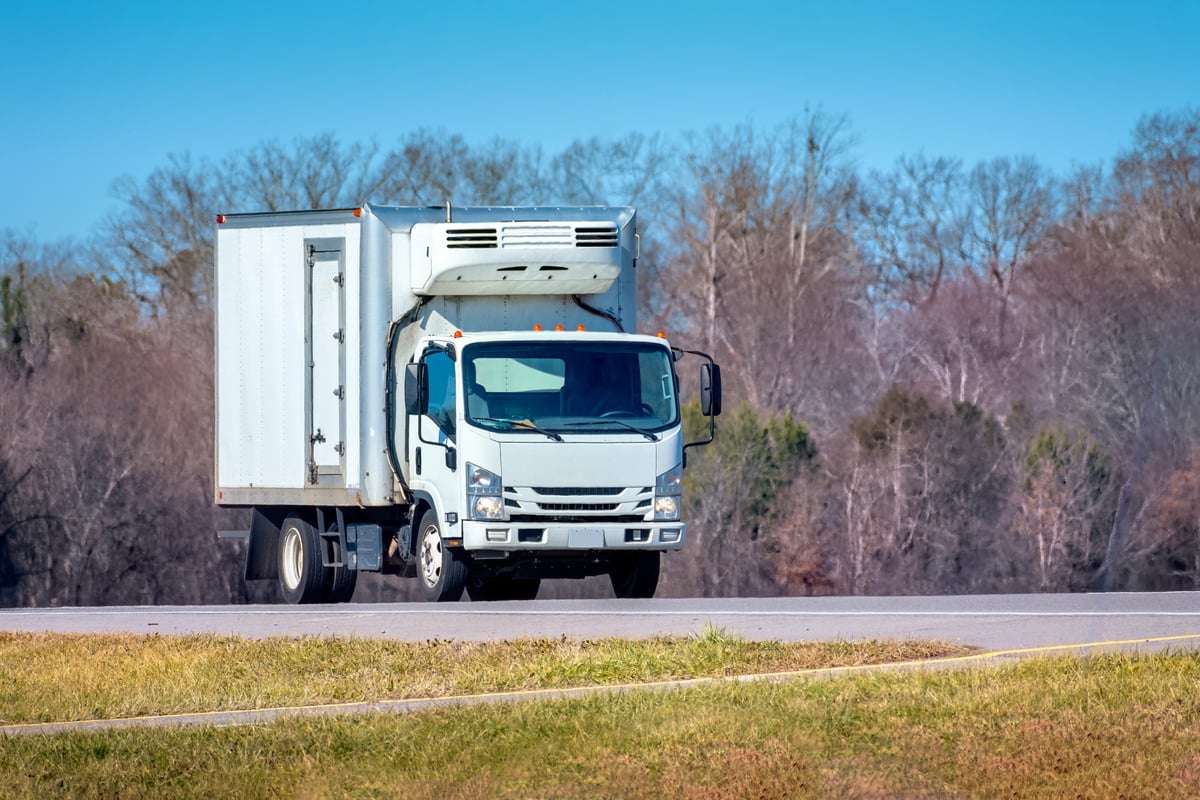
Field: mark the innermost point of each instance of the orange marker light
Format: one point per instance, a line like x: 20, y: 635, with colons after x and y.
x: 458, y: 334
x: 662, y: 334
x: 580, y: 328
x: 558, y: 327
x: 537, y: 327
x: 358, y: 212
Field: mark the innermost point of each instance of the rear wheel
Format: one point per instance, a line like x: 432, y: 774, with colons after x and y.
x: 302, y: 571
x: 634, y: 574
x: 342, y: 581
x: 441, y: 570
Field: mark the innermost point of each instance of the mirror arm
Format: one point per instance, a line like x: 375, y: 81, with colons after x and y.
x: 712, y: 417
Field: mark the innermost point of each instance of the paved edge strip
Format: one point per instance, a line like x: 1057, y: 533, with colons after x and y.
x: 263, y: 716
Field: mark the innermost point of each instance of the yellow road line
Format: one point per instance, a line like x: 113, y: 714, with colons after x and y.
x: 566, y: 692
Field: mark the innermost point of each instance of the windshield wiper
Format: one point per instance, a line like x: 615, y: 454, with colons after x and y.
x: 625, y: 425
x: 520, y: 423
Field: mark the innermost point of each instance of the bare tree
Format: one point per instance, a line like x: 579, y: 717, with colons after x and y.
x: 1169, y: 540
x: 762, y: 254
x: 314, y: 172
x: 1157, y: 187
x: 924, y: 497
x: 429, y: 167
x: 1064, y: 508
x: 1014, y: 203
x: 958, y: 346
x: 915, y: 227
x: 630, y: 170
x: 161, y: 244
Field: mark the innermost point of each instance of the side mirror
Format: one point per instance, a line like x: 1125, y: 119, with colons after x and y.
x: 416, y: 389
x: 710, y: 390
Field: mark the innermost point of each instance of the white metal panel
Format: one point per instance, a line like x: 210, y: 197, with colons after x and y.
x: 260, y: 356
x: 599, y: 462
x: 261, y: 403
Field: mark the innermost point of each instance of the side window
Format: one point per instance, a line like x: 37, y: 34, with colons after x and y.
x: 658, y: 385
x: 442, y: 392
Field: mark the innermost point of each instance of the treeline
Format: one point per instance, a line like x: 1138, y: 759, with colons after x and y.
x: 940, y: 377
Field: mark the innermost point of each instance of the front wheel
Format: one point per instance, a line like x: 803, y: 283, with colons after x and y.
x: 302, y: 570
x: 634, y: 574
x: 441, y: 570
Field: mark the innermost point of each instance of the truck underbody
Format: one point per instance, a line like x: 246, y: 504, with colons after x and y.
x: 316, y: 554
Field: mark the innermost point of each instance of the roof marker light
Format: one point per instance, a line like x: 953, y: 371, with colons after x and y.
x: 220, y: 219
x: 580, y: 328
x: 662, y: 334
x: 358, y: 212
x: 558, y: 327
x: 458, y: 334
x: 537, y: 327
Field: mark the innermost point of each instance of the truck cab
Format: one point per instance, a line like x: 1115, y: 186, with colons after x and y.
x: 548, y: 454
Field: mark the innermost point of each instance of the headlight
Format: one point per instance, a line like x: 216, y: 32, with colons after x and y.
x: 487, y: 507
x: 666, y: 508
x: 667, y: 491
x: 484, y: 499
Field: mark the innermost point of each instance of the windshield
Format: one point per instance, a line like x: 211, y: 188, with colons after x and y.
x: 570, y: 387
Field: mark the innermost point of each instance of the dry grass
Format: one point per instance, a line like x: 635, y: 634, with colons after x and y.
x: 55, y: 677
x: 1104, y: 726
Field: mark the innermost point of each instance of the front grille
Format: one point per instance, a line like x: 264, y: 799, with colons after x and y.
x: 577, y: 506
x: 607, y: 503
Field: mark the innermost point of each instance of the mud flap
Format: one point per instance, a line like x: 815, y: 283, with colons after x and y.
x: 262, y: 556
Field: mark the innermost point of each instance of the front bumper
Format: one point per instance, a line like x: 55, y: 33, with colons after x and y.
x: 551, y: 536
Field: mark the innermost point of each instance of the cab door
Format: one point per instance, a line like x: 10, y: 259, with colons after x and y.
x: 432, y: 439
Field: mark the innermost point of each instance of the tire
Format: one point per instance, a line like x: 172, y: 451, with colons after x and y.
x: 635, y: 574
x: 302, y: 572
x: 482, y: 589
x: 487, y: 589
x: 340, y: 588
x: 441, y: 570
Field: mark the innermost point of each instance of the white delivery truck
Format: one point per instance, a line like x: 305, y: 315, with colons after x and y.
x: 453, y: 394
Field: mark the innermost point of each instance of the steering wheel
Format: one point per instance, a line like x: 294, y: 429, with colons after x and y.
x: 645, y: 411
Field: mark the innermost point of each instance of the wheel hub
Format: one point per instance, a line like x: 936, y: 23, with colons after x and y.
x: 293, y: 559
x: 431, y: 556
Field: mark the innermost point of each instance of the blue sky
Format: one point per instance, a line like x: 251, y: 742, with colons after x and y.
x: 92, y: 91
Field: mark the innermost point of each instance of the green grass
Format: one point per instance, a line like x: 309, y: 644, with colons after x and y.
x: 58, y: 678
x: 1104, y: 726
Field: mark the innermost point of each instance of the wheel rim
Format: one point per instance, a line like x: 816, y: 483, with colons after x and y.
x: 431, y: 556
x: 292, y: 562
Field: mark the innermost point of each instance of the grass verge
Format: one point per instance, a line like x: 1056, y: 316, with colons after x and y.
x: 61, y: 678
x: 1104, y: 726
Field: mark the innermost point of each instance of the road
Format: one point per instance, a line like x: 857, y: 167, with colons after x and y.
x: 991, y: 622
